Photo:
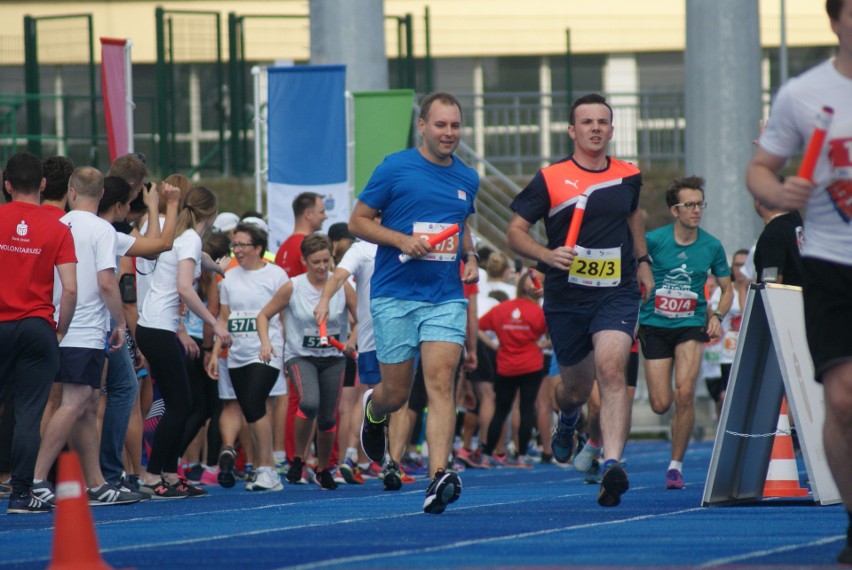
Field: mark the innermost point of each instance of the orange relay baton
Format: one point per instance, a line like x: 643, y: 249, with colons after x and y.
x: 323, y: 332
x: 434, y: 240
x: 576, y: 220
x: 340, y: 346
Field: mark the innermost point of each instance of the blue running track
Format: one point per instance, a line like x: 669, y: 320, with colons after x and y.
x: 544, y: 517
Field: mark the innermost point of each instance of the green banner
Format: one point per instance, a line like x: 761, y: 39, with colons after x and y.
x: 382, y: 127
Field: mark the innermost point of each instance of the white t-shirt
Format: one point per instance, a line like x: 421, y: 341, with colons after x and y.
x: 791, y: 123
x: 246, y: 293
x: 94, y: 243
x: 161, y: 309
x: 360, y: 261
x: 144, y: 270
x: 300, y: 326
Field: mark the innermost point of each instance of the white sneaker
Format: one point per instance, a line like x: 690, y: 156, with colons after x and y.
x: 267, y: 480
x: 583, y: 460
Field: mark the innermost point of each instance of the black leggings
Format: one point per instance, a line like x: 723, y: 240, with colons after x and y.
x: 252, y: 384
x: 166, y: 358
x: 205, y: 405
x: 505, y: 388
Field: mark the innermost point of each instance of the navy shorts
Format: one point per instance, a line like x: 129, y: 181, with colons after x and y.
x: 660, y: 342
x: 571, y: 326
x: 368, y: 368
x: 81, y: 366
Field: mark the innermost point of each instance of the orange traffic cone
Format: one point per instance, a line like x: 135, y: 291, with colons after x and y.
x: 782, y: 478
x: 74, y: 542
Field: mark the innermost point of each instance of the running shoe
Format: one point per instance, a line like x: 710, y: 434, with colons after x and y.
x: 583, y: 459
x: 108, y: 494
x: 191, y: 490
x: 674, y: 479
x: 472, y: 459
x: 592, y: 475
x: 373, y: 471
x: 210, y: 476
x: 43, y: 491
x: 194, y: 473
x: 845, y: 556
x: 338, y: 477
x: 227, y: 460
x: 295, y: 472
x: 351, y: 472
x: 267, y: 479
x: 26, y: 504
x: 444, y: 489
x: 373, y: 439
x: 281, y: 467
x: 162, y: 490
x: 562, y: 441
x: 511, y: 461
x: 613, y: 484
x: 416, y: 467
x: 391, y: 476
x: 326, y: 480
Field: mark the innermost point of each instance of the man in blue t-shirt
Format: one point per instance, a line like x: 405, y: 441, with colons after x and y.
x: 674, y: 325
x: 419, y: 306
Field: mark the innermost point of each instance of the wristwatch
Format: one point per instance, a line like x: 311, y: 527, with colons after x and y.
x: 472, y: 253
x: 719, y: 316
x: 645, y: 259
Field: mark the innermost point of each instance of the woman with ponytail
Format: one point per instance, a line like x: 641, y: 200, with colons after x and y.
x: 172, y: 283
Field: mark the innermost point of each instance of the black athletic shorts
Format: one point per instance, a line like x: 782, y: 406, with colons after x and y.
x: 81, y: 366
x: 660, y: 342
x: 828, y: 312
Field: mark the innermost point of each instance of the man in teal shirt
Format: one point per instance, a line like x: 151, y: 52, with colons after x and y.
x: 674, y: 324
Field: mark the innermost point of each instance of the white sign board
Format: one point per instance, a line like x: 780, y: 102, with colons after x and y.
x: 772, y: 359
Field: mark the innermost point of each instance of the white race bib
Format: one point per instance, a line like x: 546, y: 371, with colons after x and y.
x: 675, y: 303
x: 447, y: 250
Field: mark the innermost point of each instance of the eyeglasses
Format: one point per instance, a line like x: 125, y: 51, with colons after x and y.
x: 237, y: 245
x: 693, y: 205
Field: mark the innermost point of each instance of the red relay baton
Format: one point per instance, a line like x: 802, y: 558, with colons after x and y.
x: 323, y: 332
x: 434, y: 240
x: 340, y: 346
x: 809, y: 161
x: 534, y: 279
x: 576, y: 220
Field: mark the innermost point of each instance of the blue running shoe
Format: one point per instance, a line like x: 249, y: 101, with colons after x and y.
x: 562, y: 441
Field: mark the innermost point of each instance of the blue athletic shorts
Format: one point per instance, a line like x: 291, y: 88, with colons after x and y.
x: 400, y: 326
x: 571, y: 326
x: 368, y: 368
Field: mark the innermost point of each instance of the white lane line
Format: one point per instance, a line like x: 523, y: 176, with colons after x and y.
x: 768, y: 552
x: 480, y: 541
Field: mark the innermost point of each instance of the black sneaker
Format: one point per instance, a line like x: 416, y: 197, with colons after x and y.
x: 43, y: 491
x: 163, y: 490
x: 613, y: 484
x: 194, y: 473
x: 227, y: 460
x: 391, y: 477
x: 845, y: 556
x: 373, y: 439
x: 326, y: 480
x: 191, y: 491
x: 26, y: 504
x: 108, y: 494
x: 444, y: 489
x: 294, y: 473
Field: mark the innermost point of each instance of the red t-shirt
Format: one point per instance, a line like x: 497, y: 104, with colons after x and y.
x: 519, y: 324
x: 32, y: 242
x: 289, y: 256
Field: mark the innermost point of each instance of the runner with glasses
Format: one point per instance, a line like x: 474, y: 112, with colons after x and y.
x: 674, y: 324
